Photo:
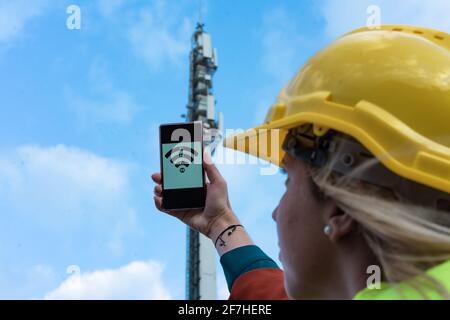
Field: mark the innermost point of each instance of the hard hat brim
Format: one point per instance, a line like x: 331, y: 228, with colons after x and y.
x: 397, y: 146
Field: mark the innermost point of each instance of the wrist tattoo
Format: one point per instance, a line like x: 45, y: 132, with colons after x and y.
x: 230, y: 230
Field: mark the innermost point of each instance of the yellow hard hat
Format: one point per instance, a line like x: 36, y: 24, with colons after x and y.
x: 388, y: 88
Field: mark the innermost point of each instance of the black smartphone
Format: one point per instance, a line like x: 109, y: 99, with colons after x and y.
x: 181, y: 154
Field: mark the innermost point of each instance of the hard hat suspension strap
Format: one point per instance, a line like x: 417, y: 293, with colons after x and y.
x: 348, y: 157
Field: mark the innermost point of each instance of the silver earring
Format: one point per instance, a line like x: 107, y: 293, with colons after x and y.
x: 328, y: 230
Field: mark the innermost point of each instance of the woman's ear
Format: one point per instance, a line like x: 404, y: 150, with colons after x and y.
x: 341, y: 224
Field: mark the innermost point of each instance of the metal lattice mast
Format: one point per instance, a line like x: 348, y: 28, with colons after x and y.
x: 201, y: 268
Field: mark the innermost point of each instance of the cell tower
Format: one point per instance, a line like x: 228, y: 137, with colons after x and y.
x: 201, y: 267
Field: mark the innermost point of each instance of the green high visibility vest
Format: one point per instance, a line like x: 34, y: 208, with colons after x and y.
x: 404, y: 290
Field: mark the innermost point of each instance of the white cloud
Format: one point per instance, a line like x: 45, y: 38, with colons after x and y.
x: 62, y: 203
x: 15, y: 14
x: 137, y: 280
x: 159, y: 31
x: 61, y: 188
x: 344, y: 15
x: 161, y: 35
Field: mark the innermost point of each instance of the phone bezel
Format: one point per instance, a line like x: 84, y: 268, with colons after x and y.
x: 197, y: 196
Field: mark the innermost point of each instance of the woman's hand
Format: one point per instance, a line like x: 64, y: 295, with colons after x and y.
x: 217, y: 214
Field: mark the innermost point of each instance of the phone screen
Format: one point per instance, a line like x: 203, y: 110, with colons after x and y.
x: 182, y: 165
x: 181, y: 146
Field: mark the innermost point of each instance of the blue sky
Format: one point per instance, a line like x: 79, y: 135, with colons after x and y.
x: 79, y: 112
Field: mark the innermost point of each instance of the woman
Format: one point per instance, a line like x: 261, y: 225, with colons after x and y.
x: 363, y: 133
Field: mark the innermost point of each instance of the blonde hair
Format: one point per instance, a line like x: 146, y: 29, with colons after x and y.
x: 406, y: 238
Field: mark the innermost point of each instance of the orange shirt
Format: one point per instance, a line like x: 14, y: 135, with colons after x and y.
x: 252, y: 275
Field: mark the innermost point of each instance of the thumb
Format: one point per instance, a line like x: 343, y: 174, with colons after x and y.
x: 211, y: 170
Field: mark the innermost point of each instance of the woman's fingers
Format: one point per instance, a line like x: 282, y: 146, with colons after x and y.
x: 156, y: 177
x: 212, y: 172
x: 157, y: 190
x: 158, y: 203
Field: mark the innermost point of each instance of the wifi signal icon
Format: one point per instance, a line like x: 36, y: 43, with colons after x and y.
x: 181, y: 157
